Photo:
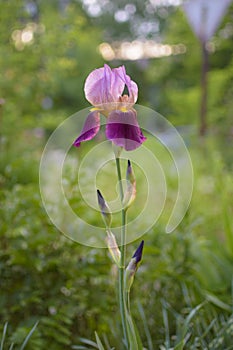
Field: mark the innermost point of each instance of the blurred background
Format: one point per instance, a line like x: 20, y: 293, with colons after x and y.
x: 47, y: 49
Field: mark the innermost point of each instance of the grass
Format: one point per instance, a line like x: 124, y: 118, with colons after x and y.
x: 25, y: 342
x: 182, y: 295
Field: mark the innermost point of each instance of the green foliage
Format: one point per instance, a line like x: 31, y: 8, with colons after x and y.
x: 16, y: 338
x: 175, y: 81
x: 68, y: 288
x: 43, y: 76
x: 45, y: 277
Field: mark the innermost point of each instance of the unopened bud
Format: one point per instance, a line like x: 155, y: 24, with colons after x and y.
x: 133, y: 266
x: 138, y: 254
x: 104, y: 208
x: 130, y: 193
x: 113, y: 247
x: 130, y: 174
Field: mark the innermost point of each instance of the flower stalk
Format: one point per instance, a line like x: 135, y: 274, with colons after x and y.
x: 121, y: 283
x: 126, y: 275
x: 104, y: 88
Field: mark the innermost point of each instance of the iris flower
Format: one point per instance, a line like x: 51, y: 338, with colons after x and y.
x: 104, y: 89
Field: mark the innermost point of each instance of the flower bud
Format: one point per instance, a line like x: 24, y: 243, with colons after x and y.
x: 138, y: 253
x: 105, y: 211
x: 113, y: 247
x: 130, y: 193
x: 130, y: 174
x: 133, y: 266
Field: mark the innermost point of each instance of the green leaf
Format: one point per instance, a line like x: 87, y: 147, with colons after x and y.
x: 3, y: 335
x: 89, y: 342
x: 98, y: 341
x: 180, y: 346
x: 145, y: 324
x: 29, y: 336
x: 185, y: 327
x: 216, y: 301
x: 189, y: 318
x: 134, y: 338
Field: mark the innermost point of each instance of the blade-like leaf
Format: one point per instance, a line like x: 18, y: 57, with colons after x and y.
x: 98, y: 341
x: 3, y: 335
x: 190, y: 316
x: 146, y: 328
x: 180, y: 346
x: 216, y: 301
x: 29, y: 336
x: 89, y: 342
x: 134, y: 338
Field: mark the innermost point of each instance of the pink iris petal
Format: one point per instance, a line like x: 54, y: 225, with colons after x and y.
x: 122, y: 129
x: 90, y: 128
x: 116, y: 85
x: 131, y: 85
x: 103, y: 85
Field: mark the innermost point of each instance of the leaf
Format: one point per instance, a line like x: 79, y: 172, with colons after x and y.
x: 216, y: 301
x: 3, y: 335
x: 134, y: 338
x: 190, y: 316
x: 180, y: 346
x: 98, y: 341
x: 184, y: 330
x: 145, y: 324
x: 89, y: 342
x: 29, y: 336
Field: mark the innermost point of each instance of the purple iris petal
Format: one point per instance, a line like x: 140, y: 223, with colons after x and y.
x: 103, y: 85
x: 131, y: 85
x: 90, y: 128
x: 116, y: 85
x: 122, y: 129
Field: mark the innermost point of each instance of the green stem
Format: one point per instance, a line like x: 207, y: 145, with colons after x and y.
x: 122, y: 300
